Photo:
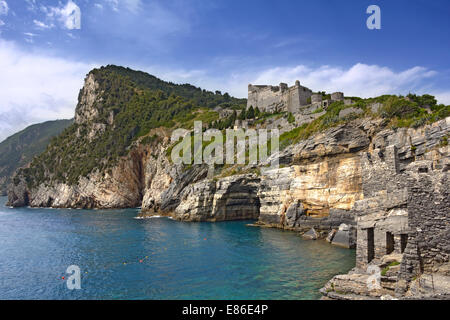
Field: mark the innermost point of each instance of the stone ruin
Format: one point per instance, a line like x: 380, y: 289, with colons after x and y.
x: 296, y: 99
x: 405, y: 214
x: 278, y: 98
x: 305, y: 105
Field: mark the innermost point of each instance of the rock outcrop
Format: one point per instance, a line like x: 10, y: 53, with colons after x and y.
x: 403, y: 223
x: 359, y: 183
x: 230, y: 198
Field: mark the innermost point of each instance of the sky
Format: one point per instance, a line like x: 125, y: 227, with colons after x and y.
x: 48, y: 46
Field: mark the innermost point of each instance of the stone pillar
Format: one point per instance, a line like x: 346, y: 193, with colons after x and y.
x: 380, y: 243
x: 392, y: 159
x: 361, y: 249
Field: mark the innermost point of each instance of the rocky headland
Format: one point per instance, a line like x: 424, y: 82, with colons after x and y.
x: 360, y: 182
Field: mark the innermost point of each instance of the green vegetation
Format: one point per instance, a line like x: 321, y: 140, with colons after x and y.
x: 444, y: 141
x: 413, y: 111
x: 138, y: 102
x: 199, y: 96
x: 318, y: 110
x: 132, y: 104
x: 386, y: 269
x: 266, y: 115
x: 19, y: 149
x: 250, y: 113
x: 290, y: 118
x: 227, y: 122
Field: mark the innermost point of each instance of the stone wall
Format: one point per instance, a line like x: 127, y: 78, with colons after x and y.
x: 278, y: 98
x: 428, y: 248
x: 403, y: 229
x: 381, y: 215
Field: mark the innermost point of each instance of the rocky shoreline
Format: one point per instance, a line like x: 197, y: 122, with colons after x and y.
x: 356, y: 185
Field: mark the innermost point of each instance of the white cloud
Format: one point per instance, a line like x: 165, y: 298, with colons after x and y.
x: 69, y: 15
x: 32, y: 5
x: 42, y: 25
x: 1, y: 23
x: 359, y: 80
x: 442, y: 96
x: 4, y: 8
x: 130, y: 5
x: 35, y: 87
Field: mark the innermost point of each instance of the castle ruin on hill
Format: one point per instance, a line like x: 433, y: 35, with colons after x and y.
x: 296, y: 99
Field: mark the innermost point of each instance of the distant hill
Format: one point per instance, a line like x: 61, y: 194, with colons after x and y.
x: 19, y: 149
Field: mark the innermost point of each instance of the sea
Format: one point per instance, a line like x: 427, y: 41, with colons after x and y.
x: 74, y: 254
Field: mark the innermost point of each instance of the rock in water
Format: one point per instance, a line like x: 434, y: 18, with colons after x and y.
x: 311, y: 234
x: 343, y: 237
x: 331, y: 235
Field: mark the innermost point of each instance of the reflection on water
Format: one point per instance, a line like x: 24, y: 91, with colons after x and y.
x: 125, y: 258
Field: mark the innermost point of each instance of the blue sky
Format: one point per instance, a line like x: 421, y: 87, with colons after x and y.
x: 47, y: 47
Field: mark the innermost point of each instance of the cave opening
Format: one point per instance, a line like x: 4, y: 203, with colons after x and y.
x: 370, y: 245
x: 389, y: 243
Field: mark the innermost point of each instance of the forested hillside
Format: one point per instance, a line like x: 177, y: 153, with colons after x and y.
x: 20, y: 148
x: 125, y: 105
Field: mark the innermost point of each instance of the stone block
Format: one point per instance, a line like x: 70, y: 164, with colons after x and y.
x: 311, y: 234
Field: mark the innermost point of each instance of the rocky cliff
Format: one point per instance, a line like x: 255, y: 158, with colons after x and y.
x: 346, y: 176
x: 402, y: 222
x: 114, y: 155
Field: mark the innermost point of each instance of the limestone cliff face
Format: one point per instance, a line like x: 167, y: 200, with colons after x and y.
x: 402, y: 220
x: 231, y: 198
x: 326, y: 176
x: 331, y: 183
x: 317, y: 185
x: 89, y: 101
x: 123, y: 186
x: 136, y: 179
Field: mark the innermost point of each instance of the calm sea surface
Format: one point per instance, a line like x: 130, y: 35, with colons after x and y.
x: 121, y: 257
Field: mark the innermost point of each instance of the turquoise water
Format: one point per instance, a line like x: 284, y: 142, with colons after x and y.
x: 227, y: 260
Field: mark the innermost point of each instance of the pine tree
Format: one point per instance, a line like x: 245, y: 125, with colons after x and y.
x: 250, y: 113
x: 242, y: 115
x: 257, y: 112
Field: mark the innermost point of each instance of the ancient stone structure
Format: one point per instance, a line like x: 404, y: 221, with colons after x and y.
x: 278, y: 98
x: 428, y: 247
x: 403, y: 228
x: 316, y: 98
x: 337, y: 96
x: 305, y: 105
x: 382, y: 216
